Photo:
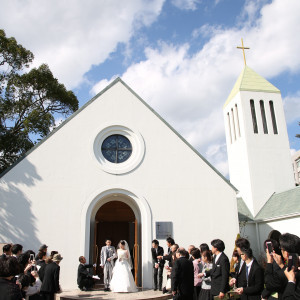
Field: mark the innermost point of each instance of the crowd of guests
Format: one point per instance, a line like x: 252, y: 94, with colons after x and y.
x: 204, y: 273
x: 27, y: 275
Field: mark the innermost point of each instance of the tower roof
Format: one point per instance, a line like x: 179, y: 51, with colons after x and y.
x: 251, y: 81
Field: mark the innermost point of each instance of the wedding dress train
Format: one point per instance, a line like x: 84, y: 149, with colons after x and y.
x: 122, y: 279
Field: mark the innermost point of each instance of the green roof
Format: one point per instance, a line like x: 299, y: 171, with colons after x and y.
x: 251, y: 81
x: 243, y: 211
x: 281, y: 204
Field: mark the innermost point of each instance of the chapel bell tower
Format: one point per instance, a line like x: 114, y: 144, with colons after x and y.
x: 257, y: 141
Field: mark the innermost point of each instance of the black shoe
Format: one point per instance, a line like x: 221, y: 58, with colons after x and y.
x: 160, y: 289
x: 105, y: 289
x: 155, y: 289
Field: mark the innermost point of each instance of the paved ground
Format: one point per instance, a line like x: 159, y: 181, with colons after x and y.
x: 100, y: 294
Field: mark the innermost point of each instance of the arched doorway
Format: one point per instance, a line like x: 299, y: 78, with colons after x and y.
x: 115, y: 220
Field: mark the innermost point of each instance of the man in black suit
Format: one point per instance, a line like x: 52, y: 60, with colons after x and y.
x: 158, y: 264
x: 254, y: 284
x: 239, y: 278
x: 85, y: 280
x: 6, y: 250
x: 220, y: 270
x: 182, y: 277
x: 50, y: 284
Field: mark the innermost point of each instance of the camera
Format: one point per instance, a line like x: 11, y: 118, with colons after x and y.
x: 293, y: 261
x: 269, y: 247
x: 31, y: 257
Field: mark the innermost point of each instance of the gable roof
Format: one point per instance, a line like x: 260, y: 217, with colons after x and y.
x: 90, y: 102
x: 251, y: 81
x: 281, y: 204
x: 244, y: 213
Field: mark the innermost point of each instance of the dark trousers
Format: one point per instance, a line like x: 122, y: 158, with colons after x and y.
x: 87, y: 283
x: 197, y: 290
x: 47, y: 296
x: 159, y: 272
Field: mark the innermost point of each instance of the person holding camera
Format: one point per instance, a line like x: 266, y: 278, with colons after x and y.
x: 290, y: 249
x: 275, y: 280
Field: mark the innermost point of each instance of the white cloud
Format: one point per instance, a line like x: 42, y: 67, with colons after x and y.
x: 71, y: 36
x: 186, y: 4
x: 291, y: 105
x: 189, y: 90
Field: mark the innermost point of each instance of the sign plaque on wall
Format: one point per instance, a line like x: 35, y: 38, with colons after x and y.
x: 164, y: 230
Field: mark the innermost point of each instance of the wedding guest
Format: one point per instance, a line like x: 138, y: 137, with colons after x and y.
x: 206, y: 260
x: 238, y: 277
x: 85, y: 280
x: 40, y: 258
x: 158, y: 264
x: 42, y: 269
x: 220, y: 271
x: 203, y: 247
x: 53, y: 253
x: 168, y: 256
x: 254, y: 284
x: 292, y: 289
x: 9, y: 268
x: 190, y: 248
x: 33, y: 291
x: 275, y: 279
x: 195, y: 253
x: 23, y: 282
x: 50, y: 285
x: 16, y: 250
x: 43, y: 249
x: 289, y: 244
x: 235, y: 257
x: 183, y: 276
x: 6, y: 250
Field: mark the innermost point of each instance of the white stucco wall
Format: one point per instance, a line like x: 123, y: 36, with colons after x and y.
x: 48, y: 196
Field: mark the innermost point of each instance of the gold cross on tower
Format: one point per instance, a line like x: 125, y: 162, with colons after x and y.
x: 243, y: 50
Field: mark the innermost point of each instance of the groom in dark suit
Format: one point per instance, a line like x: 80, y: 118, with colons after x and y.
x: 220, y: 270
x: 158, y: 264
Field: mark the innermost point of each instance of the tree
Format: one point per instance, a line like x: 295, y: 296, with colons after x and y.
x: 298, y: 135
x: 29, y: 101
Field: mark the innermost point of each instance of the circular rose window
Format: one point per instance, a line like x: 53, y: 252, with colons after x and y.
x: 116, y: 148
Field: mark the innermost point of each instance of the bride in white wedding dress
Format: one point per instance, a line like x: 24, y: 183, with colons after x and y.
x: 122, y: 279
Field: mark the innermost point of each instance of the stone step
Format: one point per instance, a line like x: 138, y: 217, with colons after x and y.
x: 100, y: 294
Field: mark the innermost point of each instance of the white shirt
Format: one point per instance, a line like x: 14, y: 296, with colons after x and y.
x: 241, y: 264
x: 217, y: 257
x: 249, y: 266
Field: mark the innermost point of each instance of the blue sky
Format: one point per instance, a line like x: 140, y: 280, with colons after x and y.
x: 180, y: 56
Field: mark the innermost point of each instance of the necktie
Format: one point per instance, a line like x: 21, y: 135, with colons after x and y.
x: 247, y: 274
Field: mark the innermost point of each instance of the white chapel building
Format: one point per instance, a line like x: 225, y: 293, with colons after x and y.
x: 115, y: 169
x: 259, y: 158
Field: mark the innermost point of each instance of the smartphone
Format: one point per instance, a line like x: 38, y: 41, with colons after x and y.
x: 270, y: 247
x: 293, y: 261
x: 31, y: 257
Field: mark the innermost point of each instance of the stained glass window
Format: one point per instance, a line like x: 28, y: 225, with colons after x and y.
x: 116, y: 148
